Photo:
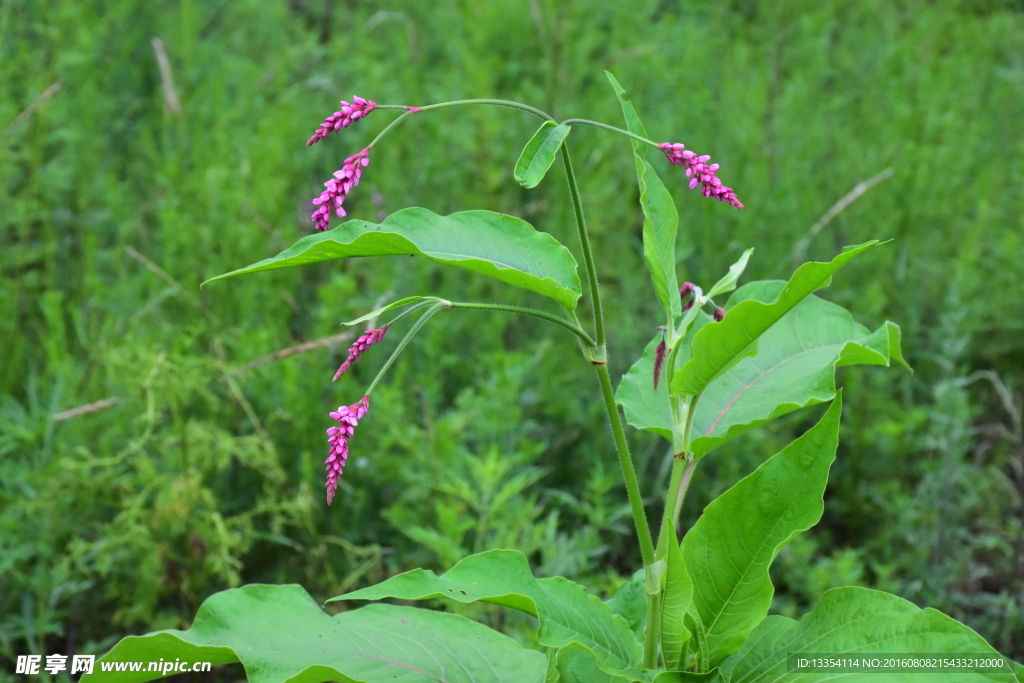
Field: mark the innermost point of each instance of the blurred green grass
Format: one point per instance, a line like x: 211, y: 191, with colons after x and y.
x: 206, y: 473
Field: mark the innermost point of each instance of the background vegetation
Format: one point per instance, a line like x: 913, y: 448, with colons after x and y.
x: 126, y: 188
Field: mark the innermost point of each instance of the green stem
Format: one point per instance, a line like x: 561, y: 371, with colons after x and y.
x: 531, y: 312
x: 652, y: 633
x: 462, y: 103
x: 402, y: 344
x: 636, y: 502
x: 614, y: 129
x: 588, y: 254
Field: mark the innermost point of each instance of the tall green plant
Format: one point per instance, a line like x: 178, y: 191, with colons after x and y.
x: 698, y: 610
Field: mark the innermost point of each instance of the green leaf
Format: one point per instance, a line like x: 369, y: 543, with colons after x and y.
x: 729, y: 549
x: 794, y: 366
x: 279, y: 634
x: 630, y: 602
x: 678, y: 600
x: 661, y: 220
x: 503, y: 247
x: 539, y: 153
x: 718, y: 346
x: 629, y: 113
x: 502, y: 577
x: 645, y: 407
x: 384, y: 309
x: 577, y: 665
x: 728, y: 283
x: 857, y: 621
x: 686, y: 677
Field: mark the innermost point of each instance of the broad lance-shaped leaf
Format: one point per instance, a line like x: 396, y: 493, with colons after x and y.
x: 503, y: 247
x: 728, y: 551
x: 539, y: 153
x: 566, y: 614
x: 856, y: 622
x: 718, y: 346
x: 279, y: 634
x: 661, y: 220
x: 794, y: 366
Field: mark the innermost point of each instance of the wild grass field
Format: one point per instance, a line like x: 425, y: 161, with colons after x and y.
x: 125, y: 183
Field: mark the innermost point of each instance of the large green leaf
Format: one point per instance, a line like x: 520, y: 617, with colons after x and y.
x: 630, y: 601
x: 577, y: 665
x: 718, y: 346
x: 566, y: 614
x: 729, y: 549
x: 503, y: 247
x: 539, y: 153
x: 677, y: 602
x: 279, y: 634
x: 661, y: 220
x: 794, y: 366
x: 856, y: 622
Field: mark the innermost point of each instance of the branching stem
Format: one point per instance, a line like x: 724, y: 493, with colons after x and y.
x: 550, y: 317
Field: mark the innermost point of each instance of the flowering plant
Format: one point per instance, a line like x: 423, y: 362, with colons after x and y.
x: 716, y: 368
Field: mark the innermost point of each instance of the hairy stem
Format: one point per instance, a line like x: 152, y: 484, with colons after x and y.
x: 643, y: 531
x: 614, y: 129
x: 550, y: 317
x: 588, y: 253
x: 462, y: 103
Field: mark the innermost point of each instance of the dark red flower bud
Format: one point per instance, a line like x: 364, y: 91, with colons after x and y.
x: 688, y: 305
x: 719, y: 314
x: 659, y: 360
x: 686, y: 290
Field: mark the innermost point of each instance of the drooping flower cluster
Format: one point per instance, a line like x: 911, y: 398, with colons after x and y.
x: 347, y: 418
x: 365, y: 341
x: 343, y: 118
x: 338, y: 188
x: 699, y: 171
x: 685, y: 294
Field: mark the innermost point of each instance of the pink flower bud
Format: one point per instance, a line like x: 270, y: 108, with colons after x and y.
x: 700, y: 173
x: 719, y: 314
x: 344, y: 117
x: 347, y: 418
x: 659, y: 360
x: 365, y: 341
x: 337, y: 190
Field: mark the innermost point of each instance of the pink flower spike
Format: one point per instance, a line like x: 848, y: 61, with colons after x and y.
x: 700, y: 173
x: 365, y: 341
x: 347, y: 418
x: 338, y: 188
x: 344, y: 117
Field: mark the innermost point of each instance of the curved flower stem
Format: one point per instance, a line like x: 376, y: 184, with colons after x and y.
x: 531, y: 312
x: 636, y: 502
x: 614, y: 129
x: 682, y: 472
x: 402, y: 344
x: 461, y: 103
x: 588, y: 253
